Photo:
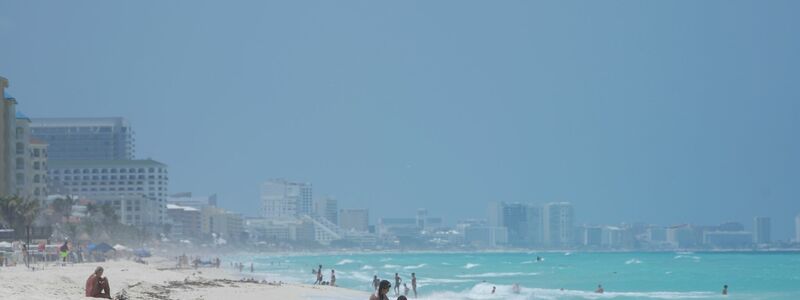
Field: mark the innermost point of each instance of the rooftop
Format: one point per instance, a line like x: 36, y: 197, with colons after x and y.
x: 22, y: 116
x: 56, y: 164
x: 71, y: 122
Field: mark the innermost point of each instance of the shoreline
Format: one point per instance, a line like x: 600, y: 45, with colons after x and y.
x: 159, y: 279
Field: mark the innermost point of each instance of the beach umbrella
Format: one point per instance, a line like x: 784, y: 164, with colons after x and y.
x: 102, y: 247
x: 119, y: 247
x: 141, y: 252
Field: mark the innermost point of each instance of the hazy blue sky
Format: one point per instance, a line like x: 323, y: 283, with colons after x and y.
x: 658, y: 111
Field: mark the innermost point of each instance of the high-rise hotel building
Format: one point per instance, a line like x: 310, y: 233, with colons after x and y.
x: 137, y: 189
x: 86, y: 138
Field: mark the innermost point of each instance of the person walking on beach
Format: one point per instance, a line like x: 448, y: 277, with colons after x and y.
x: 397, y: 281
x: 64, y: 252
x: 333, y: 277
x: 319, y: 275
x: 97, y: 285
x: 414, y: 283
x: 725, y: 290
x: 375, y: 282
x: 251, y: 268
x: 383, y: 289
x: 494, y: 288
x: 25, y: 255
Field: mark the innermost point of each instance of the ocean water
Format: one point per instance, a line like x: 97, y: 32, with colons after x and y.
x: 467, y: 276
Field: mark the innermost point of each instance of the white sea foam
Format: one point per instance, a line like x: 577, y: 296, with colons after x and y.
x: 470, y: 266
x: 385, y: 259
x: 367, y: 267
x: 427, y: 281
x: 633, y: 261
x: 391, y: 266
x: 692, y: 257
x: 482, y: 291
x: 345, y: 261
x: 496, y: 274
x: 361, y: 276
x: 414, y: 267
x: 527, y: 262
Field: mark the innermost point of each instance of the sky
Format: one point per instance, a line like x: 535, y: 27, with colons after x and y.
x: 663, y: 112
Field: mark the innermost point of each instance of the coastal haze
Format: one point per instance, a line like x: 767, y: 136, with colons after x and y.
x: 547, y: 129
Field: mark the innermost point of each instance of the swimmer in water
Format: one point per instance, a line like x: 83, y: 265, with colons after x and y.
x: 725, y: 289
x: 600, y: 289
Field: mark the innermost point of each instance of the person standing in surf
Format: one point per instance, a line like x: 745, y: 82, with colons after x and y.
x: 725, y: 290
x: 376, y: 282
x: 414, y: 283
x: 397, y: 284
x: 319, y: 275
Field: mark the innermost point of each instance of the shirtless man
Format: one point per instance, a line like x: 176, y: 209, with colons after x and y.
x: 397, y: 284
x: 375, y: 282
x: 97, y: 285
x: 414, y: 283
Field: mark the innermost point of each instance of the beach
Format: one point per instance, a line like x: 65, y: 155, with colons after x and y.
x: 156, y: 280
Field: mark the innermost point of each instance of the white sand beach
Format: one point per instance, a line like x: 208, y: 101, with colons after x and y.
x: 156, y: 280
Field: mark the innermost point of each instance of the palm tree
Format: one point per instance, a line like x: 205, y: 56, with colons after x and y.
x: 19, y: 213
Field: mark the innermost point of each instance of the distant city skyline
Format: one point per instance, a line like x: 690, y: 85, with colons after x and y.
x: 622, y: 112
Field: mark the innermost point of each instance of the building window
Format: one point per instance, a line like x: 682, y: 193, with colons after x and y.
x: 20, y: 132
x: 20, y: 148
x: 36, y: 153
x: 20, y: 163
x: 36, y: 165
x: 20, y: 178
x: 36, y: 178
x: 36, y: 192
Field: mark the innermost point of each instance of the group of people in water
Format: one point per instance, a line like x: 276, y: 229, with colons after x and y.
x: 382, y: 287
x: 320, y: 280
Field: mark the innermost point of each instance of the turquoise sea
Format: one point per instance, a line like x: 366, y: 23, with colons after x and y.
x: 624, y: 275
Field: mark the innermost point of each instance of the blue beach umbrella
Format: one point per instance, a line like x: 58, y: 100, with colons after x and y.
x: 141, y: 252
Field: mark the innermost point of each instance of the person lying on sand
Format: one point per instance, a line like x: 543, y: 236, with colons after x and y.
x: 97, y: 285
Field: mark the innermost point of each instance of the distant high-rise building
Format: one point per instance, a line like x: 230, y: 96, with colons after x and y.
x: 136, y: 189
x: 86, y: 138
x: 356, y: 219
x: 523, y: 222
x: 328, y: 208
x: 7, y: 124
x: 558, y: 218
x: 797, y: 228
x: 682, y: 236
x: 592, y: 236
x: 283, y: 199
x: 30, y: 162
x: 762, y: 230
